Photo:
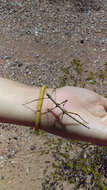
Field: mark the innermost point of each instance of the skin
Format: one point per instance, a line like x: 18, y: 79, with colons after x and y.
x: 90, y: 109
x: 87, y: 104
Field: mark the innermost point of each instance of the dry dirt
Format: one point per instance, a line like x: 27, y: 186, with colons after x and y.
x: 37, y: 40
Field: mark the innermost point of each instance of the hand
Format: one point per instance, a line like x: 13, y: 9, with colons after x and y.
x: 87, y: 107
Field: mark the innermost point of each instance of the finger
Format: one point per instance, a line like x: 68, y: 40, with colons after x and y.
x: 104, y: 103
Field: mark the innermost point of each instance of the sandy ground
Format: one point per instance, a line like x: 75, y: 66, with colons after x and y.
x: 38, y: 41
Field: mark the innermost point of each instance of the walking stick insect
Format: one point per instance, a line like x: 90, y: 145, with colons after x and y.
x: 64, y: 111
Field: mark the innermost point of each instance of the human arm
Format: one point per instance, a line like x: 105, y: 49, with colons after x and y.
x: 13, y: 99
x: 89, y: 108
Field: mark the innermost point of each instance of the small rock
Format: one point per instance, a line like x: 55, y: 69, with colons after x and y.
x: 27, y: 71
x: 2, y: 177
x: 104, y: 41
x: 32, y: 147
x: 81, y: 41
x: 19, y: 64
x: 103, y: 49
x: 15, y: 138
x: 9, y: 156
x: 1, y: 157
x: 36, y: 31
x: 33, y: 83
x: 27, y: 171
x: 8, y: 57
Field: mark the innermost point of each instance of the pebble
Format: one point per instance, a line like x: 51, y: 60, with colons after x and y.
x: 9, y: 156
x: 36, y: 31
x: 103, y: 50
x: 104, y: 41
x: 1, y: 157
x: 81, y: 41
x: 32, y: 147
x: 27, y: 171
x: 2, y: 177
x: 8, y: 57
x: 18, y: 63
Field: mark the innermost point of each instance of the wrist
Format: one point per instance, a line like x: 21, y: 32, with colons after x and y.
x: 47, y: 119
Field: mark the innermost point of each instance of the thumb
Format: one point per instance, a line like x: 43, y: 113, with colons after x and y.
x: 104, y: 102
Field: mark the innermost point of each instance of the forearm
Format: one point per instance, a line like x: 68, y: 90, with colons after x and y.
x: 13, y: 96
x: 92, y: 109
